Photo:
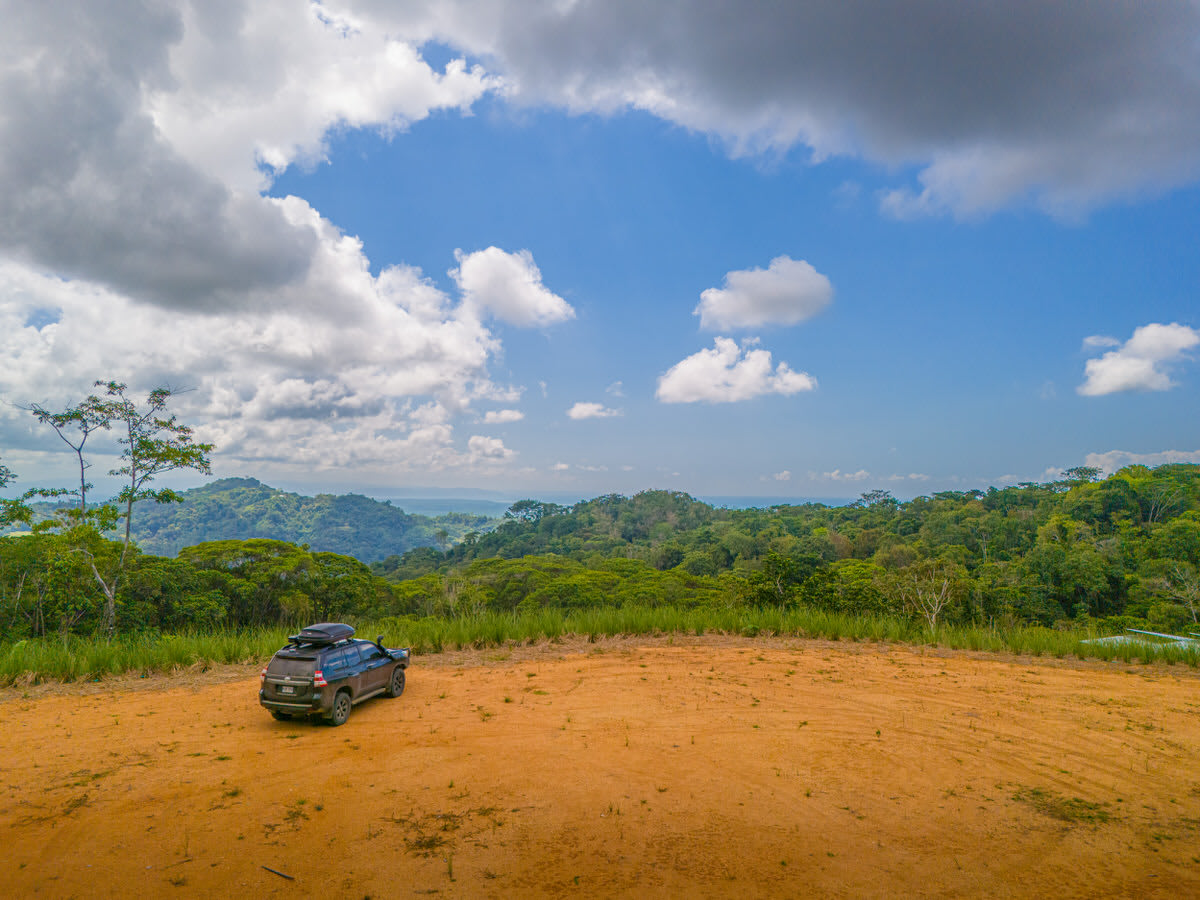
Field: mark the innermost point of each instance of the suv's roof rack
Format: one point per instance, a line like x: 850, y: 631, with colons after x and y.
x: 322, y: 633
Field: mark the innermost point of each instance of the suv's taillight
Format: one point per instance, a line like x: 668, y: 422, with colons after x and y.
x: 319, y: 679
x: 263, y: 675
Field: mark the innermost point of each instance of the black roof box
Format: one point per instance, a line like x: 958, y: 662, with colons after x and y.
x: 322, y: 633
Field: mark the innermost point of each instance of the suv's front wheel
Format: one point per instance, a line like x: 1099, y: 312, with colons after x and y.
x: 396, y: 683
x: 341, y: 709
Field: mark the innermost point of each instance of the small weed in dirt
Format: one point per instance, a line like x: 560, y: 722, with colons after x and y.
x: 508, y: 699
x: 296, y: 813
x: 424, y: 844
x: 233, y: 792
x: 1065, y: 809
x: 223, y: 757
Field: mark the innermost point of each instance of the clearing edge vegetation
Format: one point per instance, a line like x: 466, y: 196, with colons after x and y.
x: 634, y: 766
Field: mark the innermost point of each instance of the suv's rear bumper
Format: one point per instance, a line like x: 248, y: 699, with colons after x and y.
x: 320, y: 704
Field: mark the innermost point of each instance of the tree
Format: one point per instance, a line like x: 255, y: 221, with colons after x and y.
x: 153, y: 442
x: 876, y: 498
x: 1184, y: 586
x: 846, y: 586
x: 532, y: 511
x: 11, y: 510
x: 259, y: 578
x: 930, y: 588
x: 153, y: 445
x: 1081, y: 474
x: 74, y: 425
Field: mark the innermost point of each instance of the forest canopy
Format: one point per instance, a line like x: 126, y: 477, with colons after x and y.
x: 1113, y: 552
x: 1078, y: 548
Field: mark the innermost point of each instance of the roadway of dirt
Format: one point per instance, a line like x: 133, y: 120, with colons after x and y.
x: 704, y: 767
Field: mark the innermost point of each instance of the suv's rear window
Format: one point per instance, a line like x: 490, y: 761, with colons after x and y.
x: 292, y: 665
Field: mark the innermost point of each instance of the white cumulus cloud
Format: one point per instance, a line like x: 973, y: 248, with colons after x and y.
x: 135, y: 243
x: 788, y: 291
x: 583, y: 410
x: 1141, y: 363
x: 489, y: 449
x: 509, y: 286
x: 839, y: 475
x: 259, y: 86
x: 728, y: 373
x: 1113, y: 460
x: 502, y: 416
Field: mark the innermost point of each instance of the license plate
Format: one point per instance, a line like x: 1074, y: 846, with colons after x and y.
x: 287, y: 689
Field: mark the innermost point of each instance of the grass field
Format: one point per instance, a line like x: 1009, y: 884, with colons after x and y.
x: 75, y: 659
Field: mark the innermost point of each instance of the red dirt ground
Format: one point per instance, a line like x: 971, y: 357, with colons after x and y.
x: 647, y: 768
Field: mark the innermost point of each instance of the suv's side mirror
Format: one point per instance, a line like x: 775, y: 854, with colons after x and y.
x: 379, y: 641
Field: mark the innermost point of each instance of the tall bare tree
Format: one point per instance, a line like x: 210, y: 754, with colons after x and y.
x: 74, y: 425
x: 153, y: 443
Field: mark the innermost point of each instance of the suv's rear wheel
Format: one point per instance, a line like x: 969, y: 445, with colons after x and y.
x: 396, y: 684
x: 341, y: 709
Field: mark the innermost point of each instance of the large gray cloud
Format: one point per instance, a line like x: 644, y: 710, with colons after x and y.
x: 91, y: 189
x: 134, y: 133
x: 135, y: 242
x: 1064, y: 104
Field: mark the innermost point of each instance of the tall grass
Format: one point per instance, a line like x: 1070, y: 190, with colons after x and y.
x: 80, y: 659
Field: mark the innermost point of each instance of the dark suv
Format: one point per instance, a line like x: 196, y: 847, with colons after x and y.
x: 324, y: 671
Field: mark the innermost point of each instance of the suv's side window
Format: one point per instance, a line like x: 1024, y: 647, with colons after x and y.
x: 335, y: 665
x: 370, y: 653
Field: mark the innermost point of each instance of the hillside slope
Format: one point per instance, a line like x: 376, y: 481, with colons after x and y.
x: 242, y: 508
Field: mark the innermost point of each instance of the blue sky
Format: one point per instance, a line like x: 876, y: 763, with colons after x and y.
x: 468, y: 246
x: 952, y: 349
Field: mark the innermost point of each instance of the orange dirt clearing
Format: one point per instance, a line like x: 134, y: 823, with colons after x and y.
x: 635, y: 768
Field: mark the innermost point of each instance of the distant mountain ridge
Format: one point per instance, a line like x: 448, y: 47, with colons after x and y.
x: 243, y: 508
